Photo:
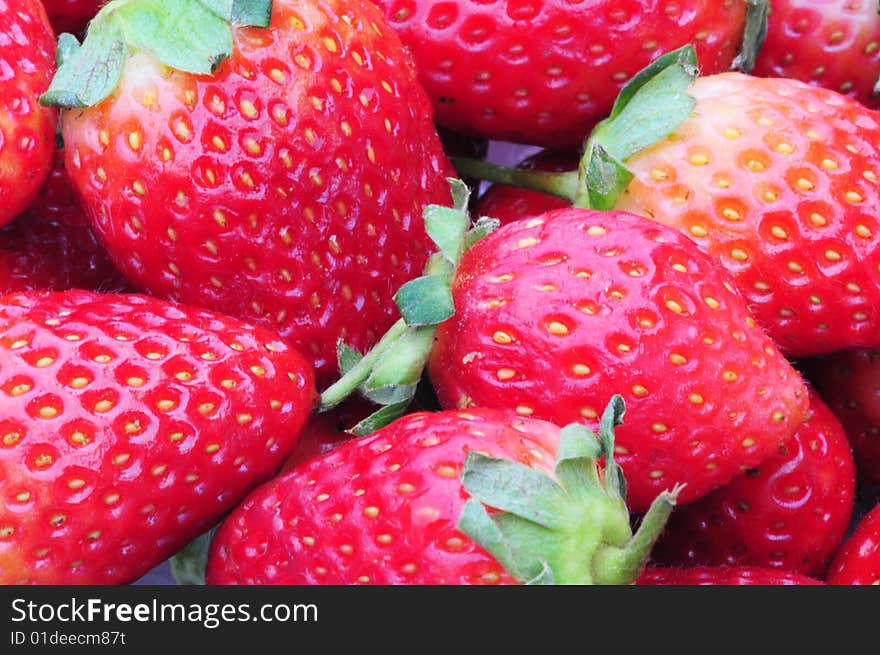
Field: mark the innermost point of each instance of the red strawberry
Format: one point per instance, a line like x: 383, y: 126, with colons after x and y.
x: 51, y: 244
x: 393, y: 508
x: 128, y: 426
x: 849, y: 382
x: 71, y: 15
x: 544, y: 71
x: 27, y: 130
x: 722, y: 575
x: 510, y: 203
x: 779, y: 181
x: 286, y: 187
x: 556, y: 313
x: 858, y: 560
x: 790, y: 513
x: 830, y: 43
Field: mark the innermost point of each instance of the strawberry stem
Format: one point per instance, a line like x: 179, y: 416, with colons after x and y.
x: 649, y: 108
x: 622, y: 565
x: 564, y: 185
x: 358, y: 374
x: 389, y: 373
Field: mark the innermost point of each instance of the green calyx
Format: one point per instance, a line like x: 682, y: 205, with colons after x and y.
x: 188, y: 564
x: 189, y: 35
x: 649, y: 108
x: 569, y: 528
x: 389, y: 374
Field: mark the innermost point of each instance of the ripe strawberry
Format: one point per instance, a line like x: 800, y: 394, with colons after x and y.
x: 128, y: 426
x: 393, y: 508
x: 858, y: 560
x: 790, y: 513
x: 779, y: 181
x: 71, y: 15
x: 775, y: 178
x: 51, y: 245
x: 544, y: 71
x: 285, y: 187
x: 849, y: 382
x: 722, y: 575
x: 509, y: 203
x: 830, y: 43
x: 27, y: 130
x: 556, y: 313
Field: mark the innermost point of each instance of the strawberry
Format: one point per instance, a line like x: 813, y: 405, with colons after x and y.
x: 858, y: 560
x: 775, y: 178
x: 394, y: 508
x: 71, y: 15
x: 722, y: 575
x: 554, y: 314
x: 544, y: 71
x: 27, y: 130
x: 849, y: 382
x: 830, y: 43
x: 51, y: 245
x: 779, y: 181
x: 284, y: 186
x: 128, y: 426
x: 509, y: 203
x: 789, y: 513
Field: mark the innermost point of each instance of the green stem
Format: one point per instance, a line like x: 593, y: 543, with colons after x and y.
x: 563, y: 185
x: 348, y: 383
x: 622, y: 565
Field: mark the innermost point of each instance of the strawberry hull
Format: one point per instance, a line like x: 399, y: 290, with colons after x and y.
x: 129, y: 426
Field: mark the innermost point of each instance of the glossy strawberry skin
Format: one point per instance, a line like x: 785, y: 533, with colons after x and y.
x: 858, y: 560
x: 129, y: 426
x: 828, y: 43
x: 286, y: 189
x: 789, y: 513
x: 849, y: 382
x: 27, y: 130
x: 542, y: 71
x: 555, y: 314
x: 723, y: 575
x: 779, y: 181
x: 509, y: 203
x: 71, y: 15
x: 51, y: 244
x: 380, y: 509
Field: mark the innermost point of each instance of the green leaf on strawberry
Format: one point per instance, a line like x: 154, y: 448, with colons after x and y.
x: 650, y: 107
x: 555, y: 529
x: 188, y: 36
x: 389, y: 374
x: 753, y: 36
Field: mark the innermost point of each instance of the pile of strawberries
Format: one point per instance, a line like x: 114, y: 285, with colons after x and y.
x: 247, y: 302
